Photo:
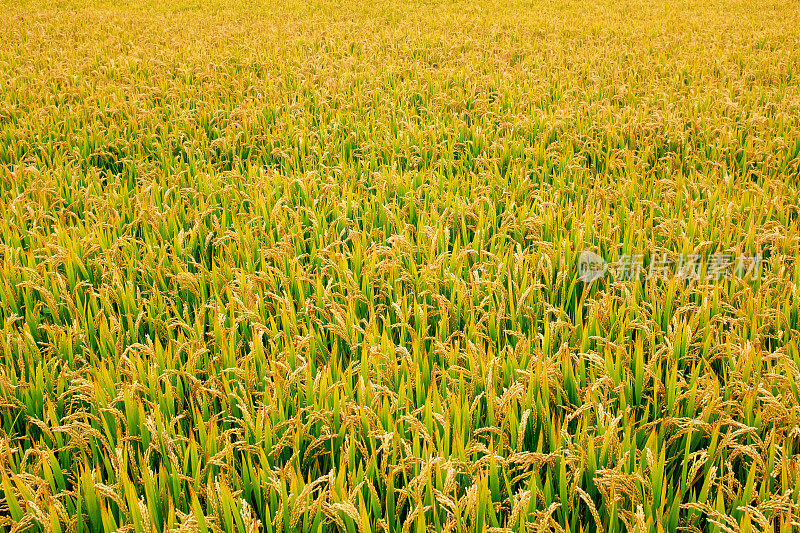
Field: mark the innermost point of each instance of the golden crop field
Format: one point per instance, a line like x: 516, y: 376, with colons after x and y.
x: 400, y: 266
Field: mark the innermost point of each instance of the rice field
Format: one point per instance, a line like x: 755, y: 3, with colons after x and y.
x: 319, y: 266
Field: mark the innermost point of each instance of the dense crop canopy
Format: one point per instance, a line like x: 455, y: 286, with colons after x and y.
x: 316, y: 267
